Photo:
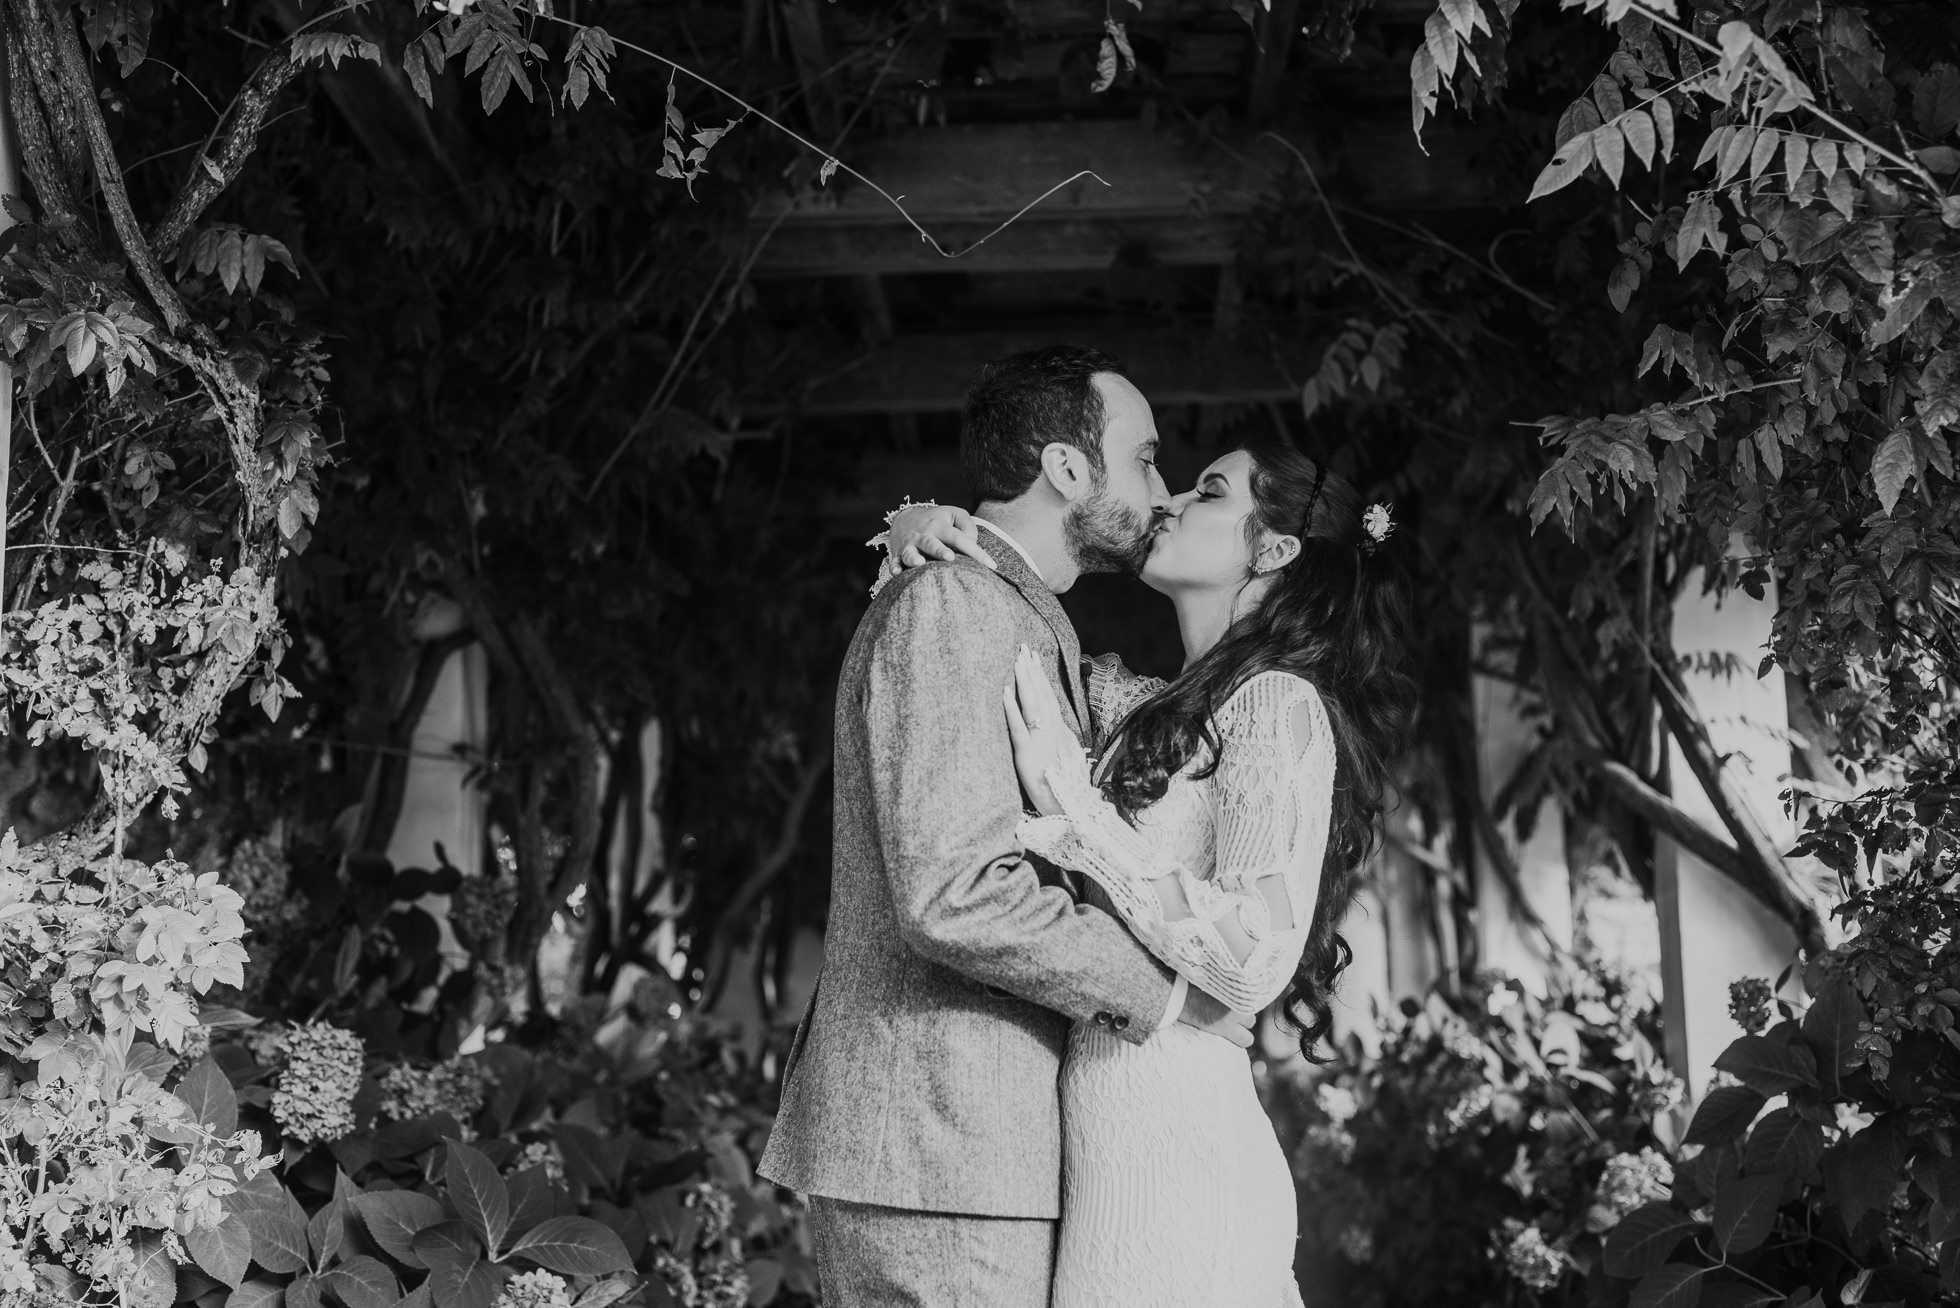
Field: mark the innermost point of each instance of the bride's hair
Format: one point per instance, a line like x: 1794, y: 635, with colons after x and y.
x: 1338, y: 616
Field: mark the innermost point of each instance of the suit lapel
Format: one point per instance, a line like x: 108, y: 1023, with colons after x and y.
x: 1015, y: 570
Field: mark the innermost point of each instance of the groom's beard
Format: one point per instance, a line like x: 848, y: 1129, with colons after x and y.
x: 1105, y: 536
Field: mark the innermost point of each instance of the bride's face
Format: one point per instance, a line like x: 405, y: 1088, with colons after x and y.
x: 1201, y: 544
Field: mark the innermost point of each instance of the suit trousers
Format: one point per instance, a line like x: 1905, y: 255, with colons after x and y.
x: 869, y: 1256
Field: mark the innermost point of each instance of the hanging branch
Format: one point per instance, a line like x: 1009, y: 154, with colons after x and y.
x: 218, y: 165
x: 80, y: 87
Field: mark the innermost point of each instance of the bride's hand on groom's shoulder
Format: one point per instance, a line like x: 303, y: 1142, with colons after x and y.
x: 920, y: 533
x: 1043, y: 744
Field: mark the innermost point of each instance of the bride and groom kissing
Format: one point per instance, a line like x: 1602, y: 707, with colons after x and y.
x: 1022, y: 1078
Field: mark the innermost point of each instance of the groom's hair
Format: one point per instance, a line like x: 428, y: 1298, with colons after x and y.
x: 1022, y: 403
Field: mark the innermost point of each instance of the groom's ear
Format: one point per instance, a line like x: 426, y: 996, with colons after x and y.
x: 1066, y: 469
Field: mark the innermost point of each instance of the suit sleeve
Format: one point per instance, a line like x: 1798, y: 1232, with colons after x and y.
x: 947, y: 803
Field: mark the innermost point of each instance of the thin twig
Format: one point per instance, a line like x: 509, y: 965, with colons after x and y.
x: 1386, y: 291
x: 841, y: 166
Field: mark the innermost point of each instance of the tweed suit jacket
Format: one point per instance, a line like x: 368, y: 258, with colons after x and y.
x: 925, y: 1073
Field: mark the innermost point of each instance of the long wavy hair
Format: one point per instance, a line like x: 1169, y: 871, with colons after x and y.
x: 1337, y: 615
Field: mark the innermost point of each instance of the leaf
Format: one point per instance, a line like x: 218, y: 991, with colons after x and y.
x: 1796, y: 155
x: 304, y: 1292
x: 1735, y: 153
x: 479, y: 1193
x: 207, y: 1092
x: 326, y: 1230
x: 231, y: 260
x: 256, y: 1294
x: 1903, y: 312
x: 1724, y: 1115
x: 825, y: 173
x: 1770, y: 1067
x: 1106, y: 67
x: 278, y: 1240
x: 152, y: 1277
x: 573, y: 1246
x: 1122, y: 40
x: 1745, y: 1209
x: 1464, y: 17
x: 1784, y: 1144
x: 1443, y: 44
x: 1767, y: 143
x: 1645, y: 1237
x: 1676, y: 1285
x: 1638, y: 129
x: 1830, y: 1026
x: 459, y: 1274
x: 1611, y: 149
x: 1565, y: 166
x: 1622, y: 284
x: 224, y: 1250
x: 1663, y: 111
x: 363, y: 1282
x: 1892, y: 467
x: 393, y: 1217
x: 1423, y: 80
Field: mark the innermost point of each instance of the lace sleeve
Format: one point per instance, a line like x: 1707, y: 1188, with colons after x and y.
x: 1236, y: 931
x: 1113, y: 691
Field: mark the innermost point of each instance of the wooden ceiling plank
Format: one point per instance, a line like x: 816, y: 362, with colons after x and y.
x: 930, y: 374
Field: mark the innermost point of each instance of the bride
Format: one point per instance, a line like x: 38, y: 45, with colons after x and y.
x: 1225, y: 822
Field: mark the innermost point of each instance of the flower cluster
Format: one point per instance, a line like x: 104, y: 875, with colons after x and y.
x: 456, y: 1088
x: 1749, y: 1003
x: 538, y: 1153
x: 1629, y: 1181
x: 314, y: 1103
x: 538, y: 1289
x: 1529, y: 1257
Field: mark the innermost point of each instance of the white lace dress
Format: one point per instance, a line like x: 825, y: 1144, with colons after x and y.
x: 1175, y: 1191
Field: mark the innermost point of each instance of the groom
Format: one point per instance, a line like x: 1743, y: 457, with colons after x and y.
x: 920, y: 1108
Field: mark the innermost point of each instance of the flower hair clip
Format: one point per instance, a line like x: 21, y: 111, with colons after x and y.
x: 1377, y: 525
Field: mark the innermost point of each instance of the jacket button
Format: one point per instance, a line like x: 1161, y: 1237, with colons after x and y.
x: 1119, y: 1023
x: 1104, y: 1019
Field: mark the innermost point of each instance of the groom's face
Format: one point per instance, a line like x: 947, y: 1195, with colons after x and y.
x: 1108, y: 529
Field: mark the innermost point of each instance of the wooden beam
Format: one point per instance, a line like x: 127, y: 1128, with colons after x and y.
x: 1180, y: 198
x: 930, y: 374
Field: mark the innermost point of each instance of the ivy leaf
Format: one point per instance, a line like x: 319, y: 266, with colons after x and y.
x: 1122, y: 40
x: 1645, y: 1237
x: 573, y: 1246
x: 1745, y: 1209
x: 1892, y: 467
